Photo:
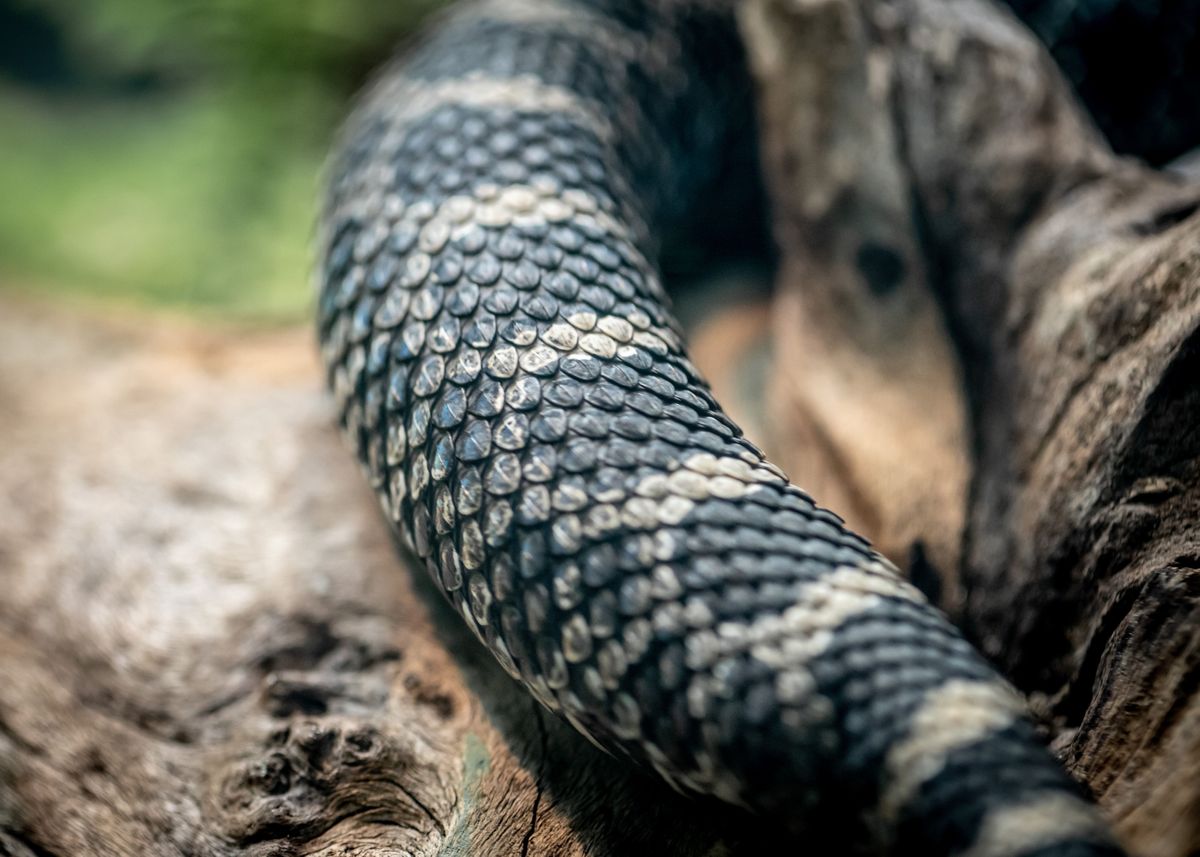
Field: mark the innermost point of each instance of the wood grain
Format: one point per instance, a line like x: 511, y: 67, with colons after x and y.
x: 1069, y: 284
x: 210, y: 645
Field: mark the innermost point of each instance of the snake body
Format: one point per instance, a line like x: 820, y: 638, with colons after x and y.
x: 509, y: 372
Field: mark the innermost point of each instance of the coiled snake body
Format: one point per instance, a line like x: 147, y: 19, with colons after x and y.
x: 509, y: 371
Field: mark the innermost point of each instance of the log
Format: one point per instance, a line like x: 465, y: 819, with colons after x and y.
x: 927, y: 153
x: 866, y: 390
x: 210, y: 645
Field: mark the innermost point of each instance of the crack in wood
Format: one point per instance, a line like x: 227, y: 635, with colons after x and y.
x: 544, y: 739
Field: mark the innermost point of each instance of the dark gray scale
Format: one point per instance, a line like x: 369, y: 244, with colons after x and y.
x: 910, y: 651
x: 998, y: 770
x: 559, y: 56
x: 507, y: 369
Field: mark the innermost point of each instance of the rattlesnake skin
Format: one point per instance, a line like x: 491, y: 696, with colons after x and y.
x: 507, y: 367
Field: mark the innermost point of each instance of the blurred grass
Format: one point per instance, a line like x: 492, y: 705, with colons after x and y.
x: 168, y: 153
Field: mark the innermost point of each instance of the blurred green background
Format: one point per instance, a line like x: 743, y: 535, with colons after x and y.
x: 168, y: 152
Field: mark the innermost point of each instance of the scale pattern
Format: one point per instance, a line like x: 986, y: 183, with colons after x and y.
x: 509, y: 373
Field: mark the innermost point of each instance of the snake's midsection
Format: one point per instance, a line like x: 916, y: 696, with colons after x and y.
x: 509, y: 372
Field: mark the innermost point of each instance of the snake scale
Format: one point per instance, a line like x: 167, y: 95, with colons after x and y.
x: 507, y: 367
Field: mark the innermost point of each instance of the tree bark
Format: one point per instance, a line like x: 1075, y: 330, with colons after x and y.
x: 210, y: 646
x: 927, y: 153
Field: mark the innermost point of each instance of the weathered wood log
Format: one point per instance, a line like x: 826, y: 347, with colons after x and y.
x: 923, y: 149
x: 210, y: 646
x: 867, y: 395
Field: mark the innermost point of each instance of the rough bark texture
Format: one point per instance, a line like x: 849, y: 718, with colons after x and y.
x: 210, y: 646
x: 936, y: 136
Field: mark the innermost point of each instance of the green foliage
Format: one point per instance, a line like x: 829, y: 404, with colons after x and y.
x: 176, y: 160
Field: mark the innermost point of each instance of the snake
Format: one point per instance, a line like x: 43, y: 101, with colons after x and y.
x: 506, y: 366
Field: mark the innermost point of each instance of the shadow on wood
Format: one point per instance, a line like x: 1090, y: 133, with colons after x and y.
x: 933, y: 144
